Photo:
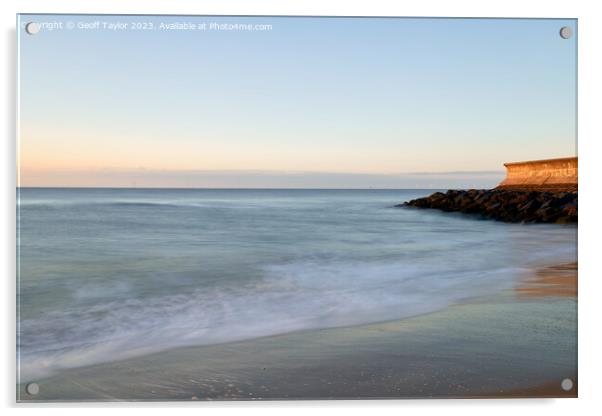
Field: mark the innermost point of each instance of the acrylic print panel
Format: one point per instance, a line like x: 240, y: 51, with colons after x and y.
x: 253, y: 208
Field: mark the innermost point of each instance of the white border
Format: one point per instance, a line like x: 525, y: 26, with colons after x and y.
x: 590, y: 35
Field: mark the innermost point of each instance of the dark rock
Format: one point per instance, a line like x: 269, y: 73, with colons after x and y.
x: 505, y: 205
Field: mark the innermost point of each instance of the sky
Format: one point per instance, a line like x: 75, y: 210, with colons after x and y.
x: 305, y: 102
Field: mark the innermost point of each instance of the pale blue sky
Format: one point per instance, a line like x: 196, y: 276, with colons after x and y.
x: 378, y: 97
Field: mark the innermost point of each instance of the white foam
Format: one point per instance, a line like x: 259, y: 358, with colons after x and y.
x: 290, y: 297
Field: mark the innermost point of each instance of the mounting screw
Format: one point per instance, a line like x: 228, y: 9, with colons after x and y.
x: 566, y: 32
x: 32, y: 28
x: 32, y: 389
x: 567, y: 384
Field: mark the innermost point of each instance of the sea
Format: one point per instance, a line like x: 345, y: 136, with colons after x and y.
x: 110, y: 274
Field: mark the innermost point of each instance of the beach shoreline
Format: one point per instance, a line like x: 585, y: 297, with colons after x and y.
x: 486, y: 347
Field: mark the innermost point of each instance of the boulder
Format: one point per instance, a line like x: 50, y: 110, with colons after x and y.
x: 505, y: 205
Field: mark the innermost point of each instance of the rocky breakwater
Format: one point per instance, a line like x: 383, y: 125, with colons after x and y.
x: 505, y: 205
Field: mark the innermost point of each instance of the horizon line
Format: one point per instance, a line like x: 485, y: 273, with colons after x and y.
x: 229, y: 188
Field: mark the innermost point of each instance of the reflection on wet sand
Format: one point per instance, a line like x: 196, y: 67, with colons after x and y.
x: 558, y: 281
x: 548, y: 390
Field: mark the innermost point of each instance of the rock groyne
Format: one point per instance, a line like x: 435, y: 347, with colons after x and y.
x: 537, y: 191
x: 504, y: 205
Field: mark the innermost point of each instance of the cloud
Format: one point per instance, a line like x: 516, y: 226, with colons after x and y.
x: 257, y: 179
x: 461, y: 173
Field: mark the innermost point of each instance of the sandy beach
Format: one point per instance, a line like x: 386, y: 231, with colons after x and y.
x: 518, y: 343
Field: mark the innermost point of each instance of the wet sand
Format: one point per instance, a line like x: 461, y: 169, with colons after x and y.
x: 519, y: 343
x: 549, y: 390
x: 557, y: 280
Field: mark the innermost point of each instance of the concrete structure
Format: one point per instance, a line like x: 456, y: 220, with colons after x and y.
x: 541, y: 175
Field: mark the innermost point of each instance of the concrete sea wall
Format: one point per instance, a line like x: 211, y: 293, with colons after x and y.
x: 542, y: 175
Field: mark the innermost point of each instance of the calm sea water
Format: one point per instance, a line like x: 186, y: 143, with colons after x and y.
x: 107, y: 274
